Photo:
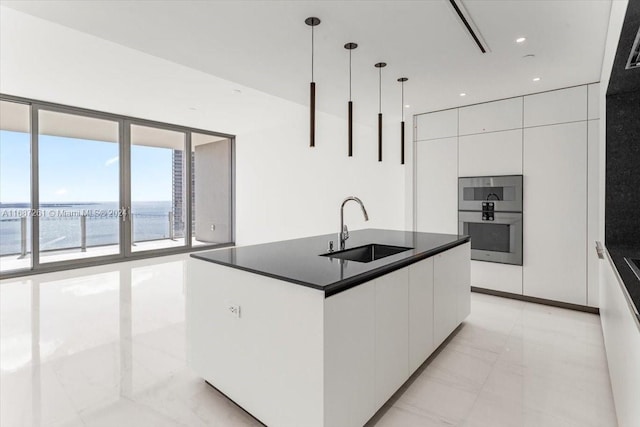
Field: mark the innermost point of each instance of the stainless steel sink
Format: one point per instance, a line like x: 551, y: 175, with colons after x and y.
x: 367, y: 253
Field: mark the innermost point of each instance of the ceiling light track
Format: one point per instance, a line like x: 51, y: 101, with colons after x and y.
x: 469, y: 25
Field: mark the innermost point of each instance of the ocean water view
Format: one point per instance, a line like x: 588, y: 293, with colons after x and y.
x: 60, y: 224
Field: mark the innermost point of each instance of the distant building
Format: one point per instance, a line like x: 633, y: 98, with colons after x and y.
x: 178, y: 188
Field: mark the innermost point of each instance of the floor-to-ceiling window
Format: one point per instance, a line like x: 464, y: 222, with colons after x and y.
x: 78, y: 186
x: 15, y: 186
x: 81, y: 187
x: 158, y: 188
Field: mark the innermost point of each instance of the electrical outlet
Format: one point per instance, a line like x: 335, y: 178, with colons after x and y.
x: 233, y: 309
x: 213, y: 227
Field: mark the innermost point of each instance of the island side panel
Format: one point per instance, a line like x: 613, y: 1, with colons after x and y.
x: 392, y: 334
x: 270, y: 359
x: 420, y: 313
x: 462, y: 254
x: 349, y: 356
x: 451, y: 290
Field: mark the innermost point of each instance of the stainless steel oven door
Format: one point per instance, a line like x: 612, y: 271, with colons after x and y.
x: 503, y: 193
x: 495, y: 236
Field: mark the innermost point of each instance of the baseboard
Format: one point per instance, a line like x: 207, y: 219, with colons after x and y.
x: 543, y: 301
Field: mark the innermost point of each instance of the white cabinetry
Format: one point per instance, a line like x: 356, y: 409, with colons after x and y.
x: 420, y: 312
x: 622, y: 344
x: 558, y: 106
x: 491, y: 116
x: 449, y: 284
x: 392, y: 334
x: 551, y: 138
x: 336, y: 359
x: 555, y: 217
x: 437, y: 186
x: 440, y: 124
x: 495, y: 153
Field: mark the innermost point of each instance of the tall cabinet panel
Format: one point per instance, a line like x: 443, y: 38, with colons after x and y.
x: 593, y: 210
x: 555, y: 214
x: 437, y: 186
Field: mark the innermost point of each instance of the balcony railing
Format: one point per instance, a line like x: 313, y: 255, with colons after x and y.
x: 82, y: 231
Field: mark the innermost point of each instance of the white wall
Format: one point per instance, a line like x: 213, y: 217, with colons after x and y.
x: 284, y: 189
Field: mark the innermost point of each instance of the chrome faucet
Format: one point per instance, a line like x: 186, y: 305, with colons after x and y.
x: 344, y: 231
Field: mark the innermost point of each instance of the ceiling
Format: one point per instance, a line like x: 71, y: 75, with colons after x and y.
x: 265, y: 45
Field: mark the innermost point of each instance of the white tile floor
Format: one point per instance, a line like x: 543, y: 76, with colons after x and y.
x: 105, y: 346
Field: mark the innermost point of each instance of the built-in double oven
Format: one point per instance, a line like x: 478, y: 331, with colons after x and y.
x: 490, y: 212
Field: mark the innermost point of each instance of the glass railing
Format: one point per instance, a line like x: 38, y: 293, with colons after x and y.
x: 81, y: 227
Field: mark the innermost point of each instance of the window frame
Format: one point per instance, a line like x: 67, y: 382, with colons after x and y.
x: 124, y: 123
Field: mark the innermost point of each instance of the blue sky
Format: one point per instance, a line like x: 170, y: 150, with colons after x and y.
x: 78, y: 170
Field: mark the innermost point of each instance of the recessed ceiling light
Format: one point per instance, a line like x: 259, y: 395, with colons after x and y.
x: 407, y: 106
x: 521, y: 39
x: 237, y: 91
x: 463, y: 94
x: 529, y: 56
x: 192, y: 108
x: 536, y: 79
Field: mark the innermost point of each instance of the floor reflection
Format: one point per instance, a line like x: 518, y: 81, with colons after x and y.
x: 76, y: 342
x: 105, y: 346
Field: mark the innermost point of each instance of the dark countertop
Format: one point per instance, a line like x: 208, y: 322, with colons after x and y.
x: 298, y: 261
x: 631, y: 282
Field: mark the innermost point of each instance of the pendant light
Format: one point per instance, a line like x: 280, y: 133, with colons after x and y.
x: 312, y: 22
x: 380, y: 66
x: 402, y: 80
x: 350, y: 47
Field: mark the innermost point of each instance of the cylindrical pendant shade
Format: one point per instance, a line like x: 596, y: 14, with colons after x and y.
x: 312, y: 115
x: 402, y: 143
x: 380, y: 66
x: 350, y: 128
x: 312, y: 21
x: 402, y: 106
x: 379, y: 137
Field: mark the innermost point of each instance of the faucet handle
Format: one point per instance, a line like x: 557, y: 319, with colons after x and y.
x: 330, y: 245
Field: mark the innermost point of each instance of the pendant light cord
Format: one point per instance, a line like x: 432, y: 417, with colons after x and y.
x: 312, y: 44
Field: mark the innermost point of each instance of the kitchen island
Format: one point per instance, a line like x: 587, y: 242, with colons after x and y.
x: 299, y: 337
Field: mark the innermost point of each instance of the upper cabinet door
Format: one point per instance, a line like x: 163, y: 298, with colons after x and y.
x: 558, y: 106
x: 491, y: 116
x: 495, y: 153
x: 441, y: 124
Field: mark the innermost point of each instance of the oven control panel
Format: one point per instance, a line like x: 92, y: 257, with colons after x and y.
x: 487, y: 211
